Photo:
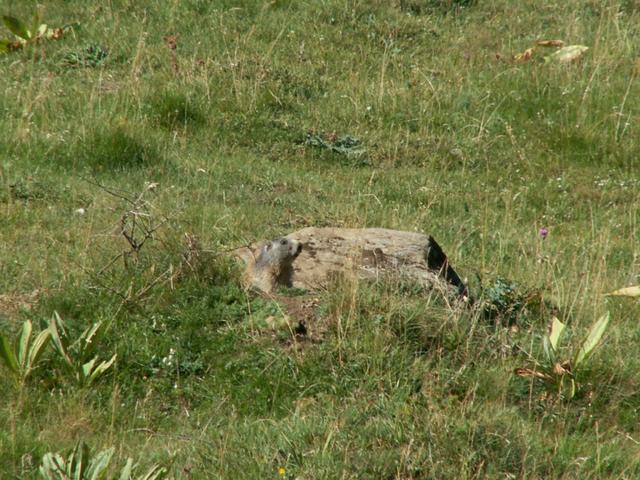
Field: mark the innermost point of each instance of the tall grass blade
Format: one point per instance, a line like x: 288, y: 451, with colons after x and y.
x: 99, y: 464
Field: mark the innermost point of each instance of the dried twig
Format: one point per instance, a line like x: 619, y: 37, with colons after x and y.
x: 118, y: 193
x: 139, y: 223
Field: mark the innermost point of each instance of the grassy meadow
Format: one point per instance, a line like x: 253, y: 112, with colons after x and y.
x: 198, y: 126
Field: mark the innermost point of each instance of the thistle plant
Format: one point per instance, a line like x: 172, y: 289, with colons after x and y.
x: 25, y: 34
x: 80, y: 355
x: 23, y: 356
x: 558, y: 374
x: 81, y: 464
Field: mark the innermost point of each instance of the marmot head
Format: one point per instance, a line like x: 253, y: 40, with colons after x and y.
x: 281, y: 251
x: 273, y: 266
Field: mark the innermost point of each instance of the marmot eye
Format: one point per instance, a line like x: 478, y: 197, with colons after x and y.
x: 283, y: 241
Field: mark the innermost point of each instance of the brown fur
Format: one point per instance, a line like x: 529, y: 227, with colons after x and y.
x: 273, y: 266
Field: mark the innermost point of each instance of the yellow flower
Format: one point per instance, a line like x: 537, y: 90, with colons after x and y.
x: 281, y: 471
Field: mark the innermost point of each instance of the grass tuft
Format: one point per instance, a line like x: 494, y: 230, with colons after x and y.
x: 117, y: 149
x: 175, y: 111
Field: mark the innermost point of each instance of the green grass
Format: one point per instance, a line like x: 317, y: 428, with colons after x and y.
x: 390, y: 382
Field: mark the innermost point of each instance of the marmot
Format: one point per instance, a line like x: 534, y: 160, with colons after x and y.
x: 273, y: 265
x: 368, y: 253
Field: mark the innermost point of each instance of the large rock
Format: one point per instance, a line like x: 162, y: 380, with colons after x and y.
x: 368, y: 253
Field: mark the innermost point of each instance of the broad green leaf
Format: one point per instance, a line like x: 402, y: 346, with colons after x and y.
x: 46, y: 468
x: 91, y: 332
x: 35, y: 23
x: 4, y: 45
x: 592, y: 340
x: 99, y: 465
x: 72, y: 460
x: 18, y: 28
x: 59, y: 341
x: 125, y: 473
x: 81, y: 460
x: 633, y: 292
x: 53, y: 466
x: 567, y: 54
x: 60, y: 464
x: 155, y: 473
x: 60, y: 325
x: 557, y: 327
x: 100, y: 369
x: 87, y: 368
x: 567, y: 386
x: 85, y: 342
x: 42, y: 30
x: 23, y: 343
x: 6, y: 353
x: 38, y: 347
x: 548, y: 350
x: 573, y: 388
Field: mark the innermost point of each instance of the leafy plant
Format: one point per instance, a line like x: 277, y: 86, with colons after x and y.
x: 80, y: 464
x: 25, y: 34
x: 28, y: 188
x: 508, y: 302
x: 503, y: 297
x: 80, y: 355
x: 348, y: 146
x: 91, y: 56
x: 418, y: 7
x: 22, y: 358
x: 556, y: 373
